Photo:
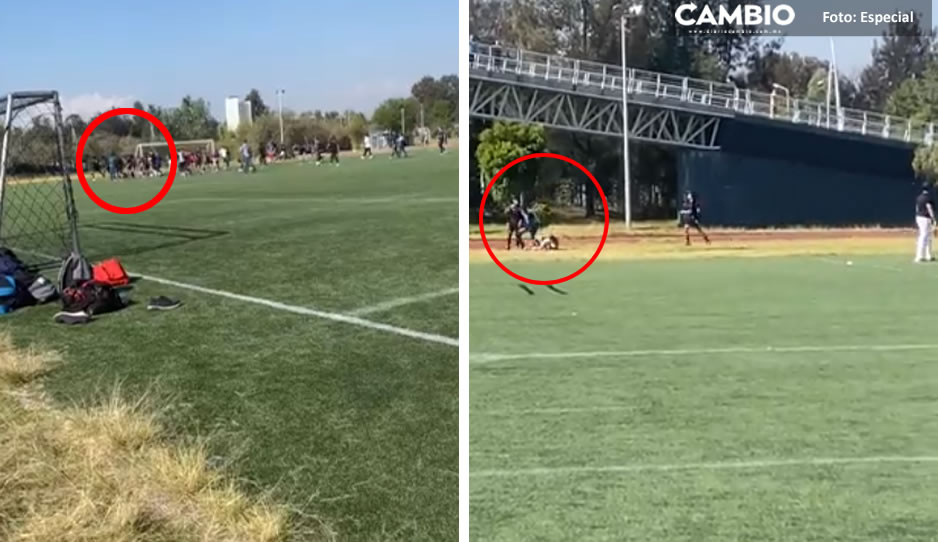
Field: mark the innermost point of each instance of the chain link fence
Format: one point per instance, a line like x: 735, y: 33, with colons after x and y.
x: 38, y: 219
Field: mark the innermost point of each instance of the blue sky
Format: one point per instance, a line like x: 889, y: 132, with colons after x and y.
x: 853, y: 53
x: 325, y: 54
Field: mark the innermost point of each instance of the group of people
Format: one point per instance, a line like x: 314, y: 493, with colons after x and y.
x: 116, y: 166
x: 271, y: 152
x: 398, y: 144
x: 523, y: 220
x: 151, y: 164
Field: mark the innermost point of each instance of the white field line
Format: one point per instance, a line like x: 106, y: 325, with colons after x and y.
x: 726, y: 465
x: 416, y: 199
x: 346, y: 319
x: 481, y: 359
x: 552, y: 411
x: 401, y: 301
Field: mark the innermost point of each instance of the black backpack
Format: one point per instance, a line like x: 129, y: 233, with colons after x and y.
x: 11, y: 265
x: 74, y: 272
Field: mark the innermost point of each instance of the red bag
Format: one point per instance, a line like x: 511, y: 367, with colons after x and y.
x: 110, y: 272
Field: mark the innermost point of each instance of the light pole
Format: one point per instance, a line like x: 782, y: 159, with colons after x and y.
x: 280, y: 92
x: 403, y: 127
x: 776, y: 86
x: 836, y: 79
x: 632, y: 11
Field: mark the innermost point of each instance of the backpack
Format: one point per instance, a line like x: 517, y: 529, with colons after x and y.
x: 7, y: 293
x: 110, y: 272
x: 13, y: 295
x: 74, y: 272
x: 91, y: 297
x: 11, y: 265
x: 42, y: 290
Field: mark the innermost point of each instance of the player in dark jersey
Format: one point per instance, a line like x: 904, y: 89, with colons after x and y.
x: 690, y: 218
x: 531, y: 223
x: 516, y: 223
x: 441, y: 140
x: 333, y: 151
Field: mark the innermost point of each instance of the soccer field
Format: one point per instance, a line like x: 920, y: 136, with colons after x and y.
x: 316, y: 346
x: 780, y: 398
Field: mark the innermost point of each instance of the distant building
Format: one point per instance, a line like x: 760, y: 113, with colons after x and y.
x: 237, y: 112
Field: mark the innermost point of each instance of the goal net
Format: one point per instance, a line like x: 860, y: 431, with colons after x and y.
x: 38, y: 219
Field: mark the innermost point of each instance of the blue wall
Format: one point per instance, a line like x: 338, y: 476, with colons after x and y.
x: 769, y: 174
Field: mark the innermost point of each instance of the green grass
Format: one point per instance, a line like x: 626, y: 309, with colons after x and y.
x: 349, y: 426
x: 670, y: 435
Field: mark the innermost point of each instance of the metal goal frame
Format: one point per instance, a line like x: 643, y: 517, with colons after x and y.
x: 38, y: 218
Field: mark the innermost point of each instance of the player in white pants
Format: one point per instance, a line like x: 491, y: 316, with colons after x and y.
x: 925, y: 220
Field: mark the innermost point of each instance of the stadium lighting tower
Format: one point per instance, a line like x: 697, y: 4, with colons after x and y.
x: 280, y: 92
x: 627, y: 12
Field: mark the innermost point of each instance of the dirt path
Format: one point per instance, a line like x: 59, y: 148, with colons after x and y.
x: 723, y: 236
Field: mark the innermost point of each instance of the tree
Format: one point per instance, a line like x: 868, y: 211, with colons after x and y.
x: 258, y: 107
x: 192, y: 120
x: 439, y: 98
x: 917, y: 100
x: 502, y: 143
x: 74, y: 127
x: 388, y: 114
x: 904, y: 54
x: 139, y: 127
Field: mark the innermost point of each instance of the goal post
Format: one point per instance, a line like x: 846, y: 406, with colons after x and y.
x: 207, y: 145
x: 38, y: 219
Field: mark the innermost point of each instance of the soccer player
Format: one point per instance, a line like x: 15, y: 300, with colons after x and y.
x: 548, y: 242
x: 531, y: 223
x: 112, y: 165
x: 245, y: 152
x: 317, y: 147
x: 925, y: 220
x: 391, y: 140
x: 515, y: 224
x: 690, y: 218
x: 366, y: 145
x: 401, y: 146
x: 441, y: 140
x: 333, y: 151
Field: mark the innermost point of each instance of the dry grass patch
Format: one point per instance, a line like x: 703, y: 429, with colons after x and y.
x: 106, y: 473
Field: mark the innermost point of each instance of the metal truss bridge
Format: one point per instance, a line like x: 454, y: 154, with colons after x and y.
x: 583, y: 96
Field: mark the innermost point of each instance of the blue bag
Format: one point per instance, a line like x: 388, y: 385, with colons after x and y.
x: 7, y: 293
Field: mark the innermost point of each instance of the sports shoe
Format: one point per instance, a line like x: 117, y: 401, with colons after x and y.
x: 163, y: 303
x: 71, y: 318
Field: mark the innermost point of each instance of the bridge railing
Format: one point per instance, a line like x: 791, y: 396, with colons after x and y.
x: 588, y: 77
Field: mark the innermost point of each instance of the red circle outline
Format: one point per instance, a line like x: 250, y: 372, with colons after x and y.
x: 79, y: 169
x: 485, y: 241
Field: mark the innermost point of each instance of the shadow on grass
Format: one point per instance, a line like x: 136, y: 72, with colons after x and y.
x: 164, y: 236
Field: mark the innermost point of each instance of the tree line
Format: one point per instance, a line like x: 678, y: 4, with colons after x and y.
x: 900, y: 79
x: 436, y: 99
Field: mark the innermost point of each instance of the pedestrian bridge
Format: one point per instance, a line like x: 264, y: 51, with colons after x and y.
x: 584, y: 96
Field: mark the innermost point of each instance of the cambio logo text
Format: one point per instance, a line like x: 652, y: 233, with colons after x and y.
x: 741, y: 15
